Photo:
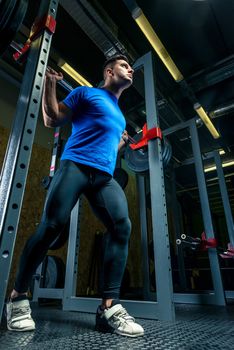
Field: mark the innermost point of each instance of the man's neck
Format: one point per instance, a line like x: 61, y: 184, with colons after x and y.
x: 116, y: 91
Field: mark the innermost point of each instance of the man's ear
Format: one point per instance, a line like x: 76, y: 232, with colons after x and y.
x: 109, y: 71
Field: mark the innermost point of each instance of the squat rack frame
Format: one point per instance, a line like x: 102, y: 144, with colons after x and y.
x: 218, y: 295
x: 19, y: 149
x: 164, y: 307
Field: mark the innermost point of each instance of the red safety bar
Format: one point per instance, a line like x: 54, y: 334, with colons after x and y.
x: 146, y: 136
x: 207, y: 243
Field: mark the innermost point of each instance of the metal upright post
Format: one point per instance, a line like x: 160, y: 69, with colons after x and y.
x: 219, y: 295
x: 158, y: 199
x: 38, y: 292
x: 72, y: 257
x: 178, y: 226
x: 225, y: 200
x: 16, y: 162
x: 144, y: 236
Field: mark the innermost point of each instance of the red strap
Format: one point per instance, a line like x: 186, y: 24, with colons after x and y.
x: 146, y: 136
x: 229, y: 253
x: 46, y: 22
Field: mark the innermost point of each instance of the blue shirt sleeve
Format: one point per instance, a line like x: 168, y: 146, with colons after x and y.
x: 74, y: 98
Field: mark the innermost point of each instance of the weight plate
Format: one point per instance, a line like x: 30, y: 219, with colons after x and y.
x: 12, y: 24
x: 62, y: 238
x: 46, y: 182
x: 121, y: 176
x: 6, y: 10
x: 137, y: 160
x: 53, y: 272
x: 167, y: 152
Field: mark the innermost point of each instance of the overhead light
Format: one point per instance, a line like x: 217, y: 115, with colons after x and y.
x: 73, y: 73
x: 161, y: 51
x: 221, y: 152
x: 216, y: 178
x: 224, y: 165
x: 156, y: 43
x: 206, y: 120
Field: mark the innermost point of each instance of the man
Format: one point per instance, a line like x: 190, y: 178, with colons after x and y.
x: 87, y: 165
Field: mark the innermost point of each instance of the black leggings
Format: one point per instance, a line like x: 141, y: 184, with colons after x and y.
x: 108, y: 202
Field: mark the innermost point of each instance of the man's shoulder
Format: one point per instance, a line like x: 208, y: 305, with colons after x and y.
x: 79, y: 89
x: 85, y: 89
x: 87, y: 92
x: 92, y: 91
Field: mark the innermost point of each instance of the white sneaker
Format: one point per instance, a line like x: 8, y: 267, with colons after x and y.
x: 19, y: 316
x: 117, y: 320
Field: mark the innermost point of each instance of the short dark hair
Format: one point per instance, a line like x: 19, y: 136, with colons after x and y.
x: 114, y: 58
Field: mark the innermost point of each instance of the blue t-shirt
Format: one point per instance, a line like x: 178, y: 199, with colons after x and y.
x: 97, y: 127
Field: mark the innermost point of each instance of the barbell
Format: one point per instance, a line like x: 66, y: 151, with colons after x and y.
x: 12, y: 13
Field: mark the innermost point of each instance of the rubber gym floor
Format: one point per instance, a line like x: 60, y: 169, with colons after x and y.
x: 195, y: 328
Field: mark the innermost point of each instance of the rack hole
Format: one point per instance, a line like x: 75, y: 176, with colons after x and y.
x: 10, y: 229
x: 5, y: 254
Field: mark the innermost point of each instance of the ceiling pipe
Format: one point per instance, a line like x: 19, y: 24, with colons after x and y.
x: 222, y: 111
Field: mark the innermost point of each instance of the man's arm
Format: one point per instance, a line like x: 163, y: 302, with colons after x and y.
x: 124, y: 140
x: 54, y: 113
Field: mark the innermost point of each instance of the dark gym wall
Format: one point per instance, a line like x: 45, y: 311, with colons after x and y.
x: 33, y: 198
x: 9, y: 93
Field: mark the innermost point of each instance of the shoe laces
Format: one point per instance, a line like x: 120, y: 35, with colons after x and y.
x: 21, y: 310
x: 123, y: 315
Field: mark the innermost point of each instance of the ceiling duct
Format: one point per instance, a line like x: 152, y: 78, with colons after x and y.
x: 105, y: 39
x: 94, y: 26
